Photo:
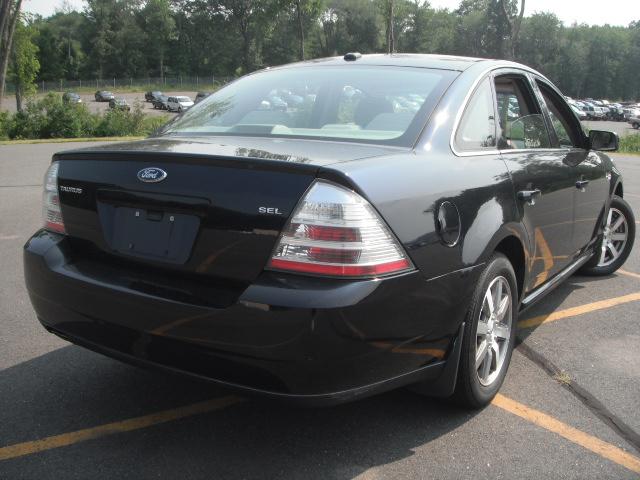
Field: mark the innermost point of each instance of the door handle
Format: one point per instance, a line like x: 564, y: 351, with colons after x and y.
x: 581, y: 184
x: 529, y: 196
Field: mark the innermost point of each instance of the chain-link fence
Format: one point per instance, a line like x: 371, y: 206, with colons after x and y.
x: 167, y: 83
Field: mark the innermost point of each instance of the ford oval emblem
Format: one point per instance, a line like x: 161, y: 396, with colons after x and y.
x: 152, y: 175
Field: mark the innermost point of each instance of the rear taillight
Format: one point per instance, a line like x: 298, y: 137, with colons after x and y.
x: 336, y: 232
x: 51, y: 213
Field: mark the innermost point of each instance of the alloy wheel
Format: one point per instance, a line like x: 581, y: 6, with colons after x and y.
x: 493, y: 333
x: 614, y: 238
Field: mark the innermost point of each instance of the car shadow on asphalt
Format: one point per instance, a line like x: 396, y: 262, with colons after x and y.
x: 551, y: 302
x: 72, y: 388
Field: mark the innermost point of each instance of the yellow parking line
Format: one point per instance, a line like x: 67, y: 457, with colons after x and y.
x: 597, y: 446
x: 628, y: 274
x: 65, y: 439
x: 575, y: 311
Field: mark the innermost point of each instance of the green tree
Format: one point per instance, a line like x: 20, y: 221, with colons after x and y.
x: 160, y: 28
x: 24, y: 62
x: 9, y: 15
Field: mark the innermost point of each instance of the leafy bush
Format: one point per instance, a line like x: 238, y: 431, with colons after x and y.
x: 64, y: 120
x: 118, y: 123
x: 29, y: 123
x: 50, y: 117
x: 5, y: 120
x: 630, y: 143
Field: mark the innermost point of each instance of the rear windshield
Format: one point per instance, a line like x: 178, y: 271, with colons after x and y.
x: 372, y: 104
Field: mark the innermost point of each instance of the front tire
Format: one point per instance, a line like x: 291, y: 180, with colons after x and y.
x: 489, y: 334
x: 617, y: 240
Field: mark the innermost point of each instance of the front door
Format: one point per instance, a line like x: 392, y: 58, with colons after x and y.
x: 543, y: 180
x: 592, y: 187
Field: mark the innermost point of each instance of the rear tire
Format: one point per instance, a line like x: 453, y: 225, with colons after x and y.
x: 489, y: 334
x: 616, y: 242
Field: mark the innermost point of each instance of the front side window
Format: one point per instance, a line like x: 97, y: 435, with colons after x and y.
x: 375, y: 104
x: 521, y: 121
x: 565, y: 129
x: 477, y: 129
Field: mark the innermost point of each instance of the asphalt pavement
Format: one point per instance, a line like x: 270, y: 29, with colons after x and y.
x: 568, y: 408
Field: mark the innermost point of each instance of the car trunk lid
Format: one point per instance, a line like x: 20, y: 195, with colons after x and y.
x: 218, y: 213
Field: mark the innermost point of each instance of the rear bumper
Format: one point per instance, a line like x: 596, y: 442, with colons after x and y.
x: 307, y: 340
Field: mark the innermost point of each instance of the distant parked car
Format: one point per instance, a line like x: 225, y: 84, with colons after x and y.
x: 629, y: 112
x: 634, y: 119
x: 593, y: 111
x: 178, y: 104
x: 71, y: 97
x: 615, y: 113
x: 119, y: 104
x: 601, y: 112
x: 589, y: 110
x: 160, y: 103
x: 202, y: 96
x: 579, y: 112
x: 104, y: 96
x: 151, y: 96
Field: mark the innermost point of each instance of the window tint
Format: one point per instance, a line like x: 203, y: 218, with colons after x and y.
x: 562, y: 123
x: 521, y: 122
x: 387, y: 105
x: 477, y: 129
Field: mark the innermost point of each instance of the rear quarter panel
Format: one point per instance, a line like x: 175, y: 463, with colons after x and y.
x: 408, y: 189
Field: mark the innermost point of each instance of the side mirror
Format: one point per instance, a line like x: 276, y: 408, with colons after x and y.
x: 603, y: 141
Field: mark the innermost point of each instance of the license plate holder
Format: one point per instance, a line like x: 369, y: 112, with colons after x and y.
x: 152, y: 234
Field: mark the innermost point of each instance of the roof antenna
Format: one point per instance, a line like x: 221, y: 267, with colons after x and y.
x: 352, y: 56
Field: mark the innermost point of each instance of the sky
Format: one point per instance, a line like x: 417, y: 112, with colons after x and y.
x: 592, y: 12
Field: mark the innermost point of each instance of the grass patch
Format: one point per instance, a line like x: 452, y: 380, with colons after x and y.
x: 630, y: 143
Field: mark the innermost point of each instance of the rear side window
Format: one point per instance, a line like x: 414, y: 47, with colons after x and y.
x: 477, y: 130
x: 522, y: 124
x: 562, y: 120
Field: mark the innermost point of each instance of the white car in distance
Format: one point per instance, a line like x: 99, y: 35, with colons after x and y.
x: 179, y: 104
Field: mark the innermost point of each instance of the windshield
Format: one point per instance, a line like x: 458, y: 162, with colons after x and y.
x: 375, y: 104
x: 183, y: 99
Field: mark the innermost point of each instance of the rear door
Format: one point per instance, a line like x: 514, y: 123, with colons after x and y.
x: 544, y: 182
x: 592, y: 187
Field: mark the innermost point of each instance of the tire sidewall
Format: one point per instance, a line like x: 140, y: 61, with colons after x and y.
x: 479, y: 394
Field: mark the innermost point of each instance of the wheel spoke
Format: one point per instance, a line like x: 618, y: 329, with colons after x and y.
x: 609, y: 217
x: 501, y: 330
x: 481, y: 353
x: 489, y: 300
x: 619, y: 237
x: 486, y: 366
x: 496, y: 353
x: 498, y: 298
x: 614, y: 251
x: 603, y: 255
x: 502, y: 308
x: 483, y: 328
x: 617, y: 223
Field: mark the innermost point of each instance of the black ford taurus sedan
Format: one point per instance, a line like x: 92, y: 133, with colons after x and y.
x: 384, y: 229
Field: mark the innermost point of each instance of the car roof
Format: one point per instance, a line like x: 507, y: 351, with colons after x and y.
x: 443, y: 62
